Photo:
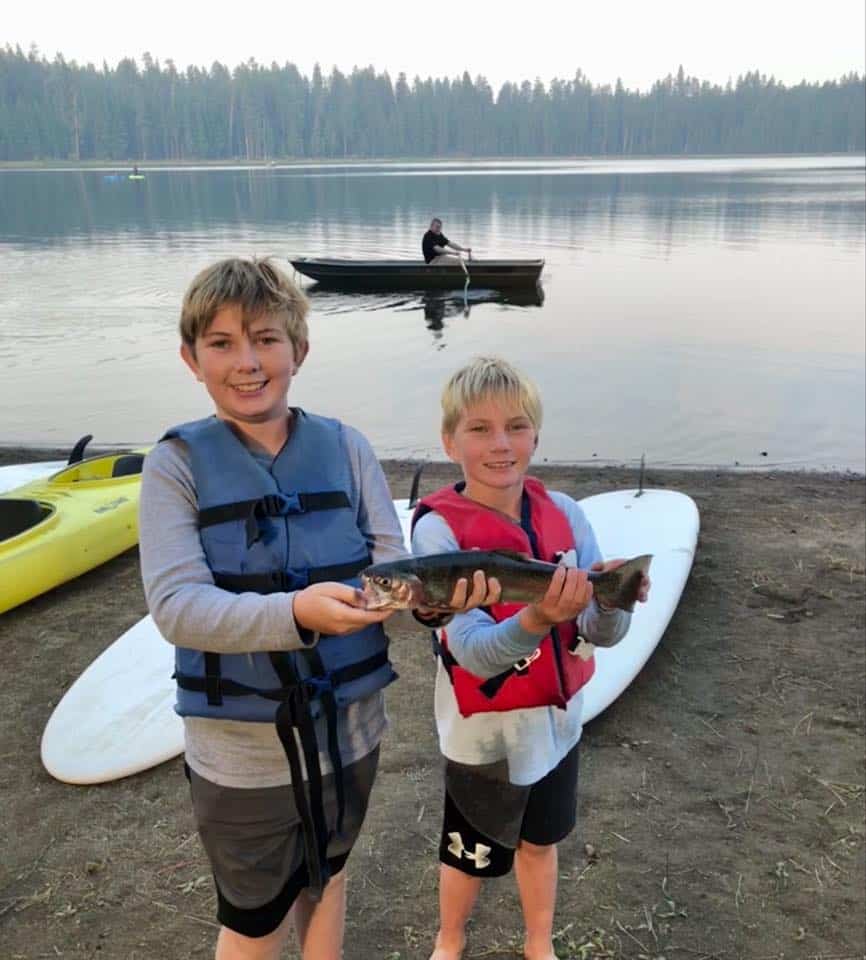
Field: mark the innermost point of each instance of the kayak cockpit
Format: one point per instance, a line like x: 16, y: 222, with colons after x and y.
x: 102, y: 468
x: 20, y: 516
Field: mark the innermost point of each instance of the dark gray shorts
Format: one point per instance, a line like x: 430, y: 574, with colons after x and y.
x: 255, y: 845
x: 486, y: 816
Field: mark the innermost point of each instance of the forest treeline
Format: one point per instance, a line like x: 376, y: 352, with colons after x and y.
x: 59, y: 110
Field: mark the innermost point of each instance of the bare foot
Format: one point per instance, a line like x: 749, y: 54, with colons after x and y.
x: 539, y: 952
x: 449, y: 949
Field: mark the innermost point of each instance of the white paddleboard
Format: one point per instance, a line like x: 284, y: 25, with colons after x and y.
x: 16, y: 475
x: 665, y: 524
x: 118, y: 717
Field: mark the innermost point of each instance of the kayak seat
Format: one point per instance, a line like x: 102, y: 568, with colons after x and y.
x: 128, y: 465
x: 17, y: 516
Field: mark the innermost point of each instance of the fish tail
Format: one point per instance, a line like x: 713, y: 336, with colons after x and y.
x: 623, y: 588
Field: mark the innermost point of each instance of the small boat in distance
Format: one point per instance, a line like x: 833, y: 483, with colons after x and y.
x: 418, y: 275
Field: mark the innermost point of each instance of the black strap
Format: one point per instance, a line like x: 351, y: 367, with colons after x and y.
x: 329, y: 705
x: 285, y: 581
x: 273, y: 505
x: 212, y: 679
x: 493, y: 685
x: 526, y: 525
x: 315, y: 686
x: 446, y: 656
x: 294, y: 714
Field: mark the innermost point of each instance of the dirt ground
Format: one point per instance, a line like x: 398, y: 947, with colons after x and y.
x: 721, y: 803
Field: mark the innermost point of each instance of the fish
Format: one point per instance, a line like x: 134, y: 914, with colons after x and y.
x: 430, y: 581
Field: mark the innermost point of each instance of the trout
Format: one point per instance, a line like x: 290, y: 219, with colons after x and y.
x: 430, y: 581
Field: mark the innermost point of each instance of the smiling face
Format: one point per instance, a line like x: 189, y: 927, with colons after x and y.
x: 246, y: 368
x: 493, y: 441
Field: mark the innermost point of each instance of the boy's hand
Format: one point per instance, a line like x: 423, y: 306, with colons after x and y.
x: 569, y: 593
x: 643, y: 590
x: 334, y: 609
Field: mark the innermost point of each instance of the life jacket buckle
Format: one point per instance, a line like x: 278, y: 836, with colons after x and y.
x: 522, y: 665
x: 319, y: 684
x: 280, y: 504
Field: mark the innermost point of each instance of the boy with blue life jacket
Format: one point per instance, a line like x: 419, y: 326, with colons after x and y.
x: 507, y: 700
x: 255, y: 523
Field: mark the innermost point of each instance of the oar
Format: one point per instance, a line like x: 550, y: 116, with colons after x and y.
x: 465, y: 285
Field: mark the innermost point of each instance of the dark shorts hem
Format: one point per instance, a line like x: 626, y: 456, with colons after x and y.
x: 260, y: 921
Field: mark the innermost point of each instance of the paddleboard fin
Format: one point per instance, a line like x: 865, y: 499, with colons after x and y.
x: 77, y: 453
x: 416, y: 482
x: 641, y: 475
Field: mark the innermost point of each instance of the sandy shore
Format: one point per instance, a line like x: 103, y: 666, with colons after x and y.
x: 723, y: 793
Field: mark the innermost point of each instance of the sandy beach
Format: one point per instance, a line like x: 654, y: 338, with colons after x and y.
x: 721, y: 798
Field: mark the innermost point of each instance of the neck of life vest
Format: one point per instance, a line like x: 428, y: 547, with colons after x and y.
x: 553, y: 673
x: 279, y: 530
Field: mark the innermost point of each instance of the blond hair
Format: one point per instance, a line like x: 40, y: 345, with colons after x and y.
x: 486, y: 377
x: 258, y: 287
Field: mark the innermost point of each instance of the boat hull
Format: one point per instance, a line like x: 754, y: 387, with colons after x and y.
x: 57, y: 528
x: 417, y: 275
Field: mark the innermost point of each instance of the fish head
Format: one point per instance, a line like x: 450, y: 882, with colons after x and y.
x: 385, y: 589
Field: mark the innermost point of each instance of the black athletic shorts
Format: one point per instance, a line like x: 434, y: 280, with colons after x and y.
x: 486, y: 817
x: 255, y: 844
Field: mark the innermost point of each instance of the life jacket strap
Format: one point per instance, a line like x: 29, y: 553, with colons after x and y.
x: 285, y: 581
x: 319, y: 675
x: 293, y: 714
x: 273, y: 505
x: 212, y: 672
x: 315, y: 686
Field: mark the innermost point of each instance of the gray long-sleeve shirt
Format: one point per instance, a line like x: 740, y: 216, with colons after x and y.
x: 532, y: 741
x: 192, y: 612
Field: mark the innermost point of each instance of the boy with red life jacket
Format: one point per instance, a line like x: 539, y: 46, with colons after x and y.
x: 507, y: 700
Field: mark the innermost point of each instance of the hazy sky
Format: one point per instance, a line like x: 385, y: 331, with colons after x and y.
x: 637, y: 40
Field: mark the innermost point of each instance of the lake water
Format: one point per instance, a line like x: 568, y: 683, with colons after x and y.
x: 707, y: 312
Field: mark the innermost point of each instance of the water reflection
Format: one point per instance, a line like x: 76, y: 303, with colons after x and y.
x: 714, y: 309
x: 386, y: 211
x: 438, y: 306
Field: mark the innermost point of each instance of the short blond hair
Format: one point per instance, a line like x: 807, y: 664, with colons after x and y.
x: 487, y: 377
x: 258, y: 287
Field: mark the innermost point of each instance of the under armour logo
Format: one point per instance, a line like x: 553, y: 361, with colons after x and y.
x: 479, y: 857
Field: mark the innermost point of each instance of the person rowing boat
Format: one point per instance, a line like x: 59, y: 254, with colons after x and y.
x: 436, y: 246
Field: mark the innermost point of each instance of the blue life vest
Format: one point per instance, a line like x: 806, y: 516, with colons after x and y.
x: 279, y: 530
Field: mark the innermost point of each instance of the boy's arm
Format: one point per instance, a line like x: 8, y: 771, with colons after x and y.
x: 187, y: 607
x: 377, y: 518
x: 477, y: 641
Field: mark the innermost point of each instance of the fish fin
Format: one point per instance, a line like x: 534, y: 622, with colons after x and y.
x: 629, y: 575
x: 514, y: 555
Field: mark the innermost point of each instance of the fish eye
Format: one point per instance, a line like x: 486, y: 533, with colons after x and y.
x: 383, y: 581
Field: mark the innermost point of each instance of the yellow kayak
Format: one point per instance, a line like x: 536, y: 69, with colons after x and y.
x: 56, y: 528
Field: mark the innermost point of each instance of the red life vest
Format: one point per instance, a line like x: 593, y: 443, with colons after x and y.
x: 554, y: 672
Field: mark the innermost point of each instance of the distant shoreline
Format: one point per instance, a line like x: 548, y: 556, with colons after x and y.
x: 25, y: 453
x: 275, y: 162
